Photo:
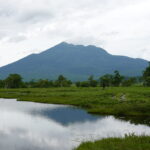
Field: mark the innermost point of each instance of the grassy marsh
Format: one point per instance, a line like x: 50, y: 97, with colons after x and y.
x: 118, y: 101
x: 127, y: 143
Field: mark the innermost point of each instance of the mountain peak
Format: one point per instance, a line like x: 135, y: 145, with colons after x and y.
x: 65, y: 44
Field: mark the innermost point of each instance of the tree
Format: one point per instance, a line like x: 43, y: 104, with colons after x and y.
x: 51, y: 83
x: 78, y: 84
x: 61, y: 79
x: 42, y: 83
x: 69, y: 83
x: 13, y: 81
x: 146, y: 76
x: 92, y: 82
x: 31, y: 84
x: 147, y: 81
x: 129, y: 82
x: 2, y: 84
x: 117, y: 78
x: 84, y: 84
x: 106, y: 80
x: 62, y: 82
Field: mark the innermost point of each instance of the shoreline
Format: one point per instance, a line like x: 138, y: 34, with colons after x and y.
x: 94, y: 100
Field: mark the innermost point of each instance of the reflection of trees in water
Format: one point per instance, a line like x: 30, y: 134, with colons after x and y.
x: 137, y: 120
x: 67, y: 115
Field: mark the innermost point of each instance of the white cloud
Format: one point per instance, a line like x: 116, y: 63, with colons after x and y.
x: 119, y: 26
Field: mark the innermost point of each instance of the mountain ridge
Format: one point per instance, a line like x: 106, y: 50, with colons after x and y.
x: 76, y: 62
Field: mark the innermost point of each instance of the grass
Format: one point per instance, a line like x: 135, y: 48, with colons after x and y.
x: 118, y: 101
x: 127, y: 143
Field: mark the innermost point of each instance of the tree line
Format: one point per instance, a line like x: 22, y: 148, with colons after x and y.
x: 107, y: 80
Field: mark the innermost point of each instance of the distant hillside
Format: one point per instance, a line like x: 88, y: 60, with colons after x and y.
x: 77, y: 62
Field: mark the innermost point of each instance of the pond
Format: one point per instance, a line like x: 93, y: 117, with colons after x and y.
x: 34, y: 126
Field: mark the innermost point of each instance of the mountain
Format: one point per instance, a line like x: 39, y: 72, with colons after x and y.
x: 76, y: 62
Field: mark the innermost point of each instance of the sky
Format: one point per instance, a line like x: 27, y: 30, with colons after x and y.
x: 122, y: 27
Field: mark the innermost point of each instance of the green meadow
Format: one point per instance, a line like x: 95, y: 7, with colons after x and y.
x: 118, y: 101
x: 126, y: 143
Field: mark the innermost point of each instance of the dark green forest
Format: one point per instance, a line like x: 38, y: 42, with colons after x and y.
x: 107, y: 80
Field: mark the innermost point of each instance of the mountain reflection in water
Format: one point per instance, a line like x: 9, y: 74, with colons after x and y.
x: 34, y: 126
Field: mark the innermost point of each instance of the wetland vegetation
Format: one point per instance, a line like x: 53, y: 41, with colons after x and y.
x: 130, y: 142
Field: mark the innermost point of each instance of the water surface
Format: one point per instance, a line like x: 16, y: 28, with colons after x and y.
x: 34, y: 126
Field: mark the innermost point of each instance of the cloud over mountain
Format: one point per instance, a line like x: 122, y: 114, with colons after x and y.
x: 122, y: 27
